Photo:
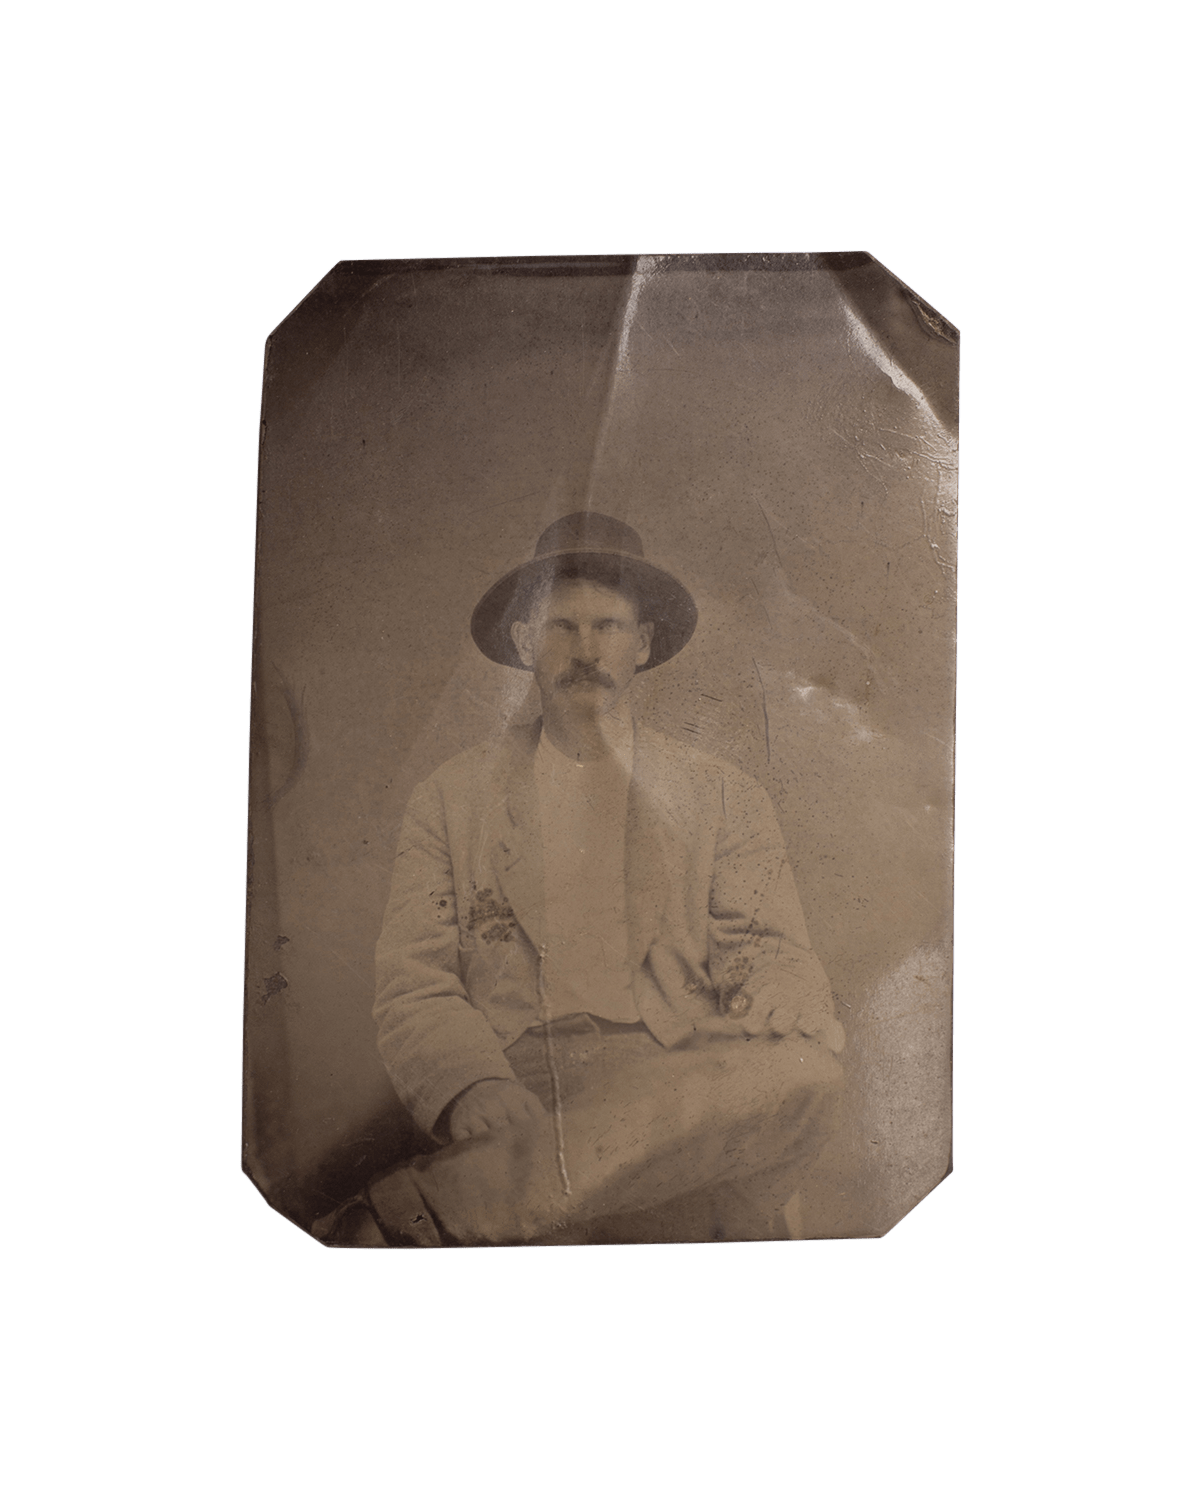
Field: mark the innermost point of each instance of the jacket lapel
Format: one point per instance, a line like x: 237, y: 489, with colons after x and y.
x: 518, y: 846
x: 645, y: 855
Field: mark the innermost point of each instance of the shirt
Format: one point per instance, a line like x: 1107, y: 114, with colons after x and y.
x: 583, y: 807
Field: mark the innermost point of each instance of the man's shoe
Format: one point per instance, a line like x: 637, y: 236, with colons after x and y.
x: 401, y: 1212
x: 350, y: 1226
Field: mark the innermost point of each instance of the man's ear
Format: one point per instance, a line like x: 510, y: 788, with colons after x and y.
x: 522, y: 635
x: 645, y: 636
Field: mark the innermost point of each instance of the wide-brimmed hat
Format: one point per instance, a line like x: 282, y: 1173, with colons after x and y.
x: 600, y: 549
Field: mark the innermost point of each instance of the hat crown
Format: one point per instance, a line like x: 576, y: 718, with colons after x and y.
x: 589, y: 531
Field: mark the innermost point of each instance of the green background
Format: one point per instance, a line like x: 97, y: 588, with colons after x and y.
x: 179, y: 180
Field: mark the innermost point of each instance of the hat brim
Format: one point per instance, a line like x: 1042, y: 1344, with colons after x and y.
x: 664, y: 600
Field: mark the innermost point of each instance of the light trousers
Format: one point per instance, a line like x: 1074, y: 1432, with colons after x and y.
x: 640, y: 1144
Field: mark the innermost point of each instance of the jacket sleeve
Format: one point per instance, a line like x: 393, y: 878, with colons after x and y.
x: 433, y: 1041
x: 760, y: 959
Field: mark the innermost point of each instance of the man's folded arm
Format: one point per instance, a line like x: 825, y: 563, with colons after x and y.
x: 760, y: 958
x: 434, y: 1043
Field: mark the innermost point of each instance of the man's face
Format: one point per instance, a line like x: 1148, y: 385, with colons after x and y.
x: 584, y: 642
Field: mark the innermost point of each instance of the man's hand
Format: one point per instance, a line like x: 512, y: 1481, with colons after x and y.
x: 780, y: 1019
x: 746, y: 1016
x: 492, y: 1104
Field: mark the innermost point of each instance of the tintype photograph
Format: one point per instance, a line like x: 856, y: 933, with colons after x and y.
x: 601, y: 792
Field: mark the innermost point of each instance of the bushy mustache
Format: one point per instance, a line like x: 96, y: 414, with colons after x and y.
x: 582, y: 673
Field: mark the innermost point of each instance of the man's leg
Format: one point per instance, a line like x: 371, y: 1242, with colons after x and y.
x: 632, y: 1127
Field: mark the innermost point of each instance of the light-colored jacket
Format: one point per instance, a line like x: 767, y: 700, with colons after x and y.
x: 713, y: 915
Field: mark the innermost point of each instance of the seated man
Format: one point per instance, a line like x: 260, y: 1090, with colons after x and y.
x: 596, y: 993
